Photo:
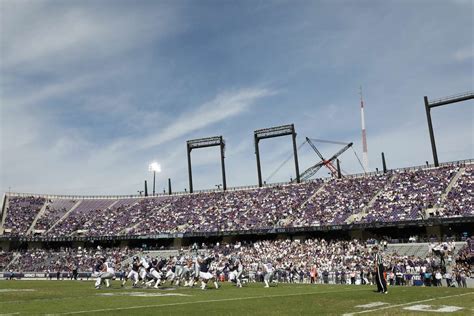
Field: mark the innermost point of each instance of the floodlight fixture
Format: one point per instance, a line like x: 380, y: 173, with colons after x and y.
x: 154, y: 166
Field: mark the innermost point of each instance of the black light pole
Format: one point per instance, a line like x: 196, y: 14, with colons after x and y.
x: 202, y: 143
x: 440, y: 102
x: 271, y: 132
x: 339, y: 175
x: 155, y: 167
x: 384, y: 164
x: 154, y: 180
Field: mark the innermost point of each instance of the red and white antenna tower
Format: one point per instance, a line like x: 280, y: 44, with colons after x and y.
x: 365, y: 154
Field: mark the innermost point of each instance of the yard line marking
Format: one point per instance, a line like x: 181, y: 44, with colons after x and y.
x: 198, y: 302
x: 404, y: 304
x: 429, y: 308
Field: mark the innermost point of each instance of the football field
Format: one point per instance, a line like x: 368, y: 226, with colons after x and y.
x: 79, y: 297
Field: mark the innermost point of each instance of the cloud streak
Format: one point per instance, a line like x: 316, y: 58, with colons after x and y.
x: 224, y: 106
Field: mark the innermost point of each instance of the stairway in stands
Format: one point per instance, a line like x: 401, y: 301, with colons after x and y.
x: 38, y: 216
x: 285, y: 221
x: 417, y: 249
x: 444, y: 195
x: 65, y: 215
x: 15, y: 258
x: 4, y: 213
x: 355, y: 217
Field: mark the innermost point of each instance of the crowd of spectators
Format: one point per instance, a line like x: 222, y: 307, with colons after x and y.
x: 343, y: 262
x: 304, y: 261
x: 213, y: 211
x: 395, y: 196
x: 460, y: 200
x: 5, y: 258
x: 21, y: 212
x: 337, y: 200
x: 409, y: 193
x: 66, y: 259
x: 55, y: 209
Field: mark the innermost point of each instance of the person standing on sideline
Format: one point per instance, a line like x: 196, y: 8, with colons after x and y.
x: 379, y: 272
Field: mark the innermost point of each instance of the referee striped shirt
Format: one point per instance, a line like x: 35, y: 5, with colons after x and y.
x: 378, y: 259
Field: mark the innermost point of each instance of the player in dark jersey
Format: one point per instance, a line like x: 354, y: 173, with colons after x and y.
x: 236, y: 269
x: 205, y: 274
x: 99, y: 268
x: 133, y: 274
x: 153, y: 272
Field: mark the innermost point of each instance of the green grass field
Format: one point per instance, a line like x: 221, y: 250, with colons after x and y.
x: 79, y: 297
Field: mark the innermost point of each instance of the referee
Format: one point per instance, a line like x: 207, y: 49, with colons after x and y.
x: 379, y: 270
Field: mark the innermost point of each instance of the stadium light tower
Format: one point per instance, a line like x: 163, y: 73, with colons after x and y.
x: 439, y: 102
x: 155, y: 167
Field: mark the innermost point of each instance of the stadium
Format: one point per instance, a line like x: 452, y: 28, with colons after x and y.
x: 92, y: 151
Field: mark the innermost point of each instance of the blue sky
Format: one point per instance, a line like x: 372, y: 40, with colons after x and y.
x: 92, y: 91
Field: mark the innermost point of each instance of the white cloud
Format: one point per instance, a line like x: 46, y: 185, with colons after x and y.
x: 222, y: 107
x: 464, y: 54
x: 60, y: 35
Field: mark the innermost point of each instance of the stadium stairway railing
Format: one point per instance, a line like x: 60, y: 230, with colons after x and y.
x: 65, y: 215
x: 444, y: 195
x: 418, y: 249
x: 5, y: 204
x: 37, y: 217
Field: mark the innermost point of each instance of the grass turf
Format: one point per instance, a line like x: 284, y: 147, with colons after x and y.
x: 80, y: 297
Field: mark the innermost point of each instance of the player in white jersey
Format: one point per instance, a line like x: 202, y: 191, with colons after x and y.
x: 236, y: 267
x: 187, y: 271
x: 268, y: 270
x: 144, y: 265
x: 179, y: 268
x: 194, y: 270
x: 103, y: 271
x: 110, y: 272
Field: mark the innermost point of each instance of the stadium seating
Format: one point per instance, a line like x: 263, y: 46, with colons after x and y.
x: 393, y: 197
x: 64, y: 259
x: 339, y: 199
x: 460, y: 200
x: 20, y: 214
x: 5, y: 258
x: 409, y: 193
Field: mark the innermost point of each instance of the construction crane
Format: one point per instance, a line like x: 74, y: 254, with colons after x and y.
x: 328, y: 163
x: 311, y: 171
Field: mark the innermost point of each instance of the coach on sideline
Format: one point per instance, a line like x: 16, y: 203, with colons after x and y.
x: 379, y: 271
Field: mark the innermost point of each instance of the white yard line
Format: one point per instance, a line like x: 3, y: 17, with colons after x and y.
x: 404, y: 304
x: 197, y: 302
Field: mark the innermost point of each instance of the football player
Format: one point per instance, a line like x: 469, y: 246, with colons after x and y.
x: 204, y: 272
x: 236, y: 270
x: 133, y: 274
x: 103, y: 271
x: 268, y: 272
x: 153, y: 272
